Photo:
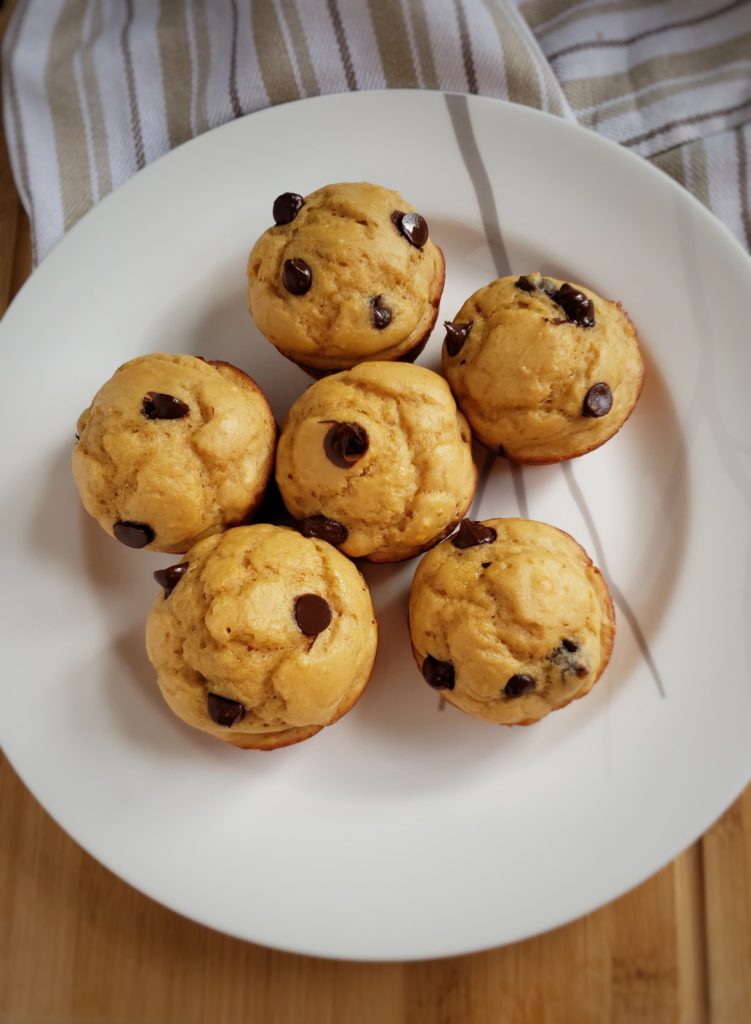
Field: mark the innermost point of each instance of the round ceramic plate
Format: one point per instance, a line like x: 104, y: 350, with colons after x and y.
x: 406, y: 830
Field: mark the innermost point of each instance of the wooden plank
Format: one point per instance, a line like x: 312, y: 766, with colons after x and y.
x: 726, y: 850
x: 78, y: 945
x: 691, y: 937
x: 643, y: 948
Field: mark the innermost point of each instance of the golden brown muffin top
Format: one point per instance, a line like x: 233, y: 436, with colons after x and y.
x: 510, y: 620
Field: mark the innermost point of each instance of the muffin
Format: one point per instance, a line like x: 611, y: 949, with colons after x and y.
x: 377, y: 460
x: 172, y: 449
x: 543, y: 370
x: 347, y: 274
x: 510, y: 620
x: 262, y: 637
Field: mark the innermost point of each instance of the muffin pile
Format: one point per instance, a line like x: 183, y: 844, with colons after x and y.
x: 261, y: 634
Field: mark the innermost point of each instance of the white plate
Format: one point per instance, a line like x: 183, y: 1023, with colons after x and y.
x: 402, y: 832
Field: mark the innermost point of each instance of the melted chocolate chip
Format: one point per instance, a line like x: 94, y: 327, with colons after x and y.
x: 286, y: 207
x: 297, y: 276
x: 133, y: 535
x: 564, y: 658
x: 169, y: 578
x: 381, y: 313
x: 224, y: 711
x: 577, y: 306
x: 412, y: 226
x: 324, y: 529
x: 157, y: 406
x: 471, y: 533
x: 345, y: 443
x: 438, y: 674
x: 312, y: 614
x: 456, y: 335
x: 519, y: 685
x: 598, y: 401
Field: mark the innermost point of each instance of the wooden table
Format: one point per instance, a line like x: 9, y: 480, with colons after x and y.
x: 78, y: 946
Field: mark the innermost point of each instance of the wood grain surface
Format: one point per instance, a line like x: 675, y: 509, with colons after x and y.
x: 78, y: 946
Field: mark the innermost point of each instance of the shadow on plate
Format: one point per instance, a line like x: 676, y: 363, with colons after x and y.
x: 225, y: 330
x: 144, y: 716
x: 396, y: 739
x: 62, y: 531
x: 642, y: 599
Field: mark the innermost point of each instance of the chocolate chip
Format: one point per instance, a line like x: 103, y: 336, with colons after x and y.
x: 312, y: 614
x: 471, y: 533
x: 456, y: 335
x: 170, y: 577
x: 563, y: 658
x: 345, y: 443
x: 412, y: 226
x: 577, y: 306
x: 133, y: 535
x: 525, y: 284
x: 381, y: 313
x: 224, y: 711
x: 286, y: 207
x: 519, y: 685
x: 598, y: 401
x: 297, y: 276
x: 323, y: 528
x: 438, y: 674
x: 486, y: 565
x: 157, y: 406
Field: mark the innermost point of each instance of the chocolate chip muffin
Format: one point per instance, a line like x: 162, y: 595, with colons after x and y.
x: 347, y: 274
x: 173, y: 448
x: 510, y: 620
x: 542, y: 369
x: 377, y: 460
x: 262, y: 637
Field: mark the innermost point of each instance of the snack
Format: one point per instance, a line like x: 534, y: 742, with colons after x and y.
x: 262, y: 637
x: 377, y: 460
x: 347, y: 274
x: 543, y: 370
x: 172, y: 449
x: 510, y: 620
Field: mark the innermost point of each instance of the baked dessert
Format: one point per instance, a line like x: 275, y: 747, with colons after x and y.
x: 542, y: 369
x: 261, y: 637
x: 347, y: 274
x: 377, y: 460
x: 510, y: 620
x: 172, y: 449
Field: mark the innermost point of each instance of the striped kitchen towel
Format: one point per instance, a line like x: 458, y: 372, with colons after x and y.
x: 93, y: 90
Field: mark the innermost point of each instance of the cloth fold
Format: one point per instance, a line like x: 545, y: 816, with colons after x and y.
x: 93, y: 91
